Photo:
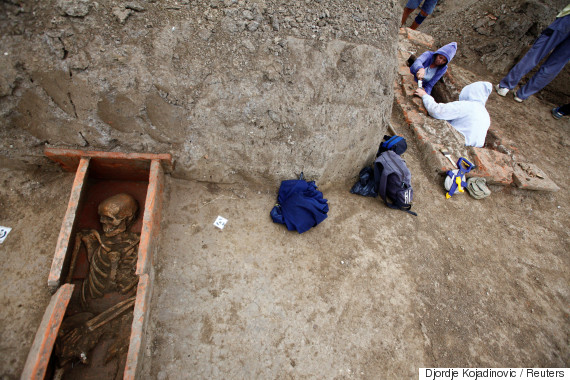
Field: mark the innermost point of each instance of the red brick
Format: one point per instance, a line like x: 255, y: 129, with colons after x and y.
x: 151, y: 218
x: 399, y: 94
x: 403, y: 56
x: 442, y: 163
x: 416, y: 117
x: 68, y: 225
x: 404, y: 71
x: 419, y: 104
x: 137, y: 341
x: 420, y: 38
x: 42, y: 347
x: 495, y: 167
x: 69, y: 159
x: 409, y: 85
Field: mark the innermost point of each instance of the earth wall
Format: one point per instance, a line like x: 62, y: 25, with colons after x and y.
x: 234, y: 90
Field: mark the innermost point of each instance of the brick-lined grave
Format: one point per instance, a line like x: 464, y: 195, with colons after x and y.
x: 102, y: 272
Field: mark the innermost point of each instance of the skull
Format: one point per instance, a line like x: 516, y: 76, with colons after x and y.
x: 117, y: 213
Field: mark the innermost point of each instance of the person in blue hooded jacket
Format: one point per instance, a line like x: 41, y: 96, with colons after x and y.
x: 430, y: 66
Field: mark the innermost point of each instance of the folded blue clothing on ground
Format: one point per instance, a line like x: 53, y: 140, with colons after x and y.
x: 300, y: 206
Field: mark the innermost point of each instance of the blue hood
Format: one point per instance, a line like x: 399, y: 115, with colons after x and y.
x: 448, y: 51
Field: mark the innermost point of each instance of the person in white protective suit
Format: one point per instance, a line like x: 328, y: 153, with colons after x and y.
x: 468, y: 115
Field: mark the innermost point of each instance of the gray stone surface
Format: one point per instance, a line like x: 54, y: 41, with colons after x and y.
x: 74, y: 8
x: 530, y: 177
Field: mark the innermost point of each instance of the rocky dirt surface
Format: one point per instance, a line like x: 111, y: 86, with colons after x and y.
x: 33, y: 205
x: 369, y: 293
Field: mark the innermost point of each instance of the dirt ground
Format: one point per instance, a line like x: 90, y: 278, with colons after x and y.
x: 370, y: 293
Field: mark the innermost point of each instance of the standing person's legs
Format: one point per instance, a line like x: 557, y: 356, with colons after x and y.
x: 411, y: 5
x: 548, y: 71
x: 539, y: 50
x: 406, y: 14
x: 418, y: 20
x: 548, y: 40
x: 427, y: 9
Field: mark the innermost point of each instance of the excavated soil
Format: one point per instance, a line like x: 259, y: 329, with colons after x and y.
x: 369, y: 293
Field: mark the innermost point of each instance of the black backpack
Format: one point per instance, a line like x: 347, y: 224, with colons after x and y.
x: 393, y: 180
x: 365, y: 184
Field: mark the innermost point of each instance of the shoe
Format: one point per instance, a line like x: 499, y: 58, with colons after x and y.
x: 517, y: 99
x: 556, y: 114
x: 502, y: 91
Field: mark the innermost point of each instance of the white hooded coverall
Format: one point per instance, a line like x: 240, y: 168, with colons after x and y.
x: 468, y: 115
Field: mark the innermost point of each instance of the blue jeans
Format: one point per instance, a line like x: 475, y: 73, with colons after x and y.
x: 428, y: 6
x: 555, y: 38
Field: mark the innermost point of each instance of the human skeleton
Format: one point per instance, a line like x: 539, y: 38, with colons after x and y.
x: 112, y: 257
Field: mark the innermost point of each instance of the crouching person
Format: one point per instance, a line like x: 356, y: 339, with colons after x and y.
x: 430, y: 66
x: 468, y: 115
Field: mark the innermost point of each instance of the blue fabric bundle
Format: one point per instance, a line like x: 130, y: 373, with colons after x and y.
x: 300, y: 206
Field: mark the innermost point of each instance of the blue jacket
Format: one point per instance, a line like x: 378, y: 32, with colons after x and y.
x: 426, y: 59
x: 300, y: 206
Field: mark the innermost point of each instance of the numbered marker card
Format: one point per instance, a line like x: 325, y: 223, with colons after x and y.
x: 3, y: 233
x: 220, y: 222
